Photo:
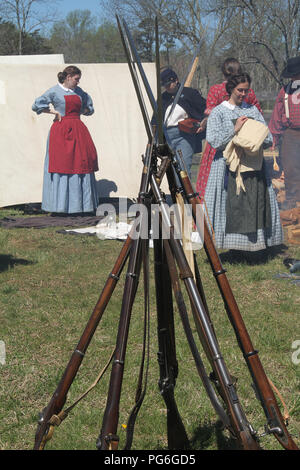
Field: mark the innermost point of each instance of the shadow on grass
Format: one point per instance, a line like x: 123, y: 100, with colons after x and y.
x: 8, y: 261
x: 210, y: 434
x: 252, y: 258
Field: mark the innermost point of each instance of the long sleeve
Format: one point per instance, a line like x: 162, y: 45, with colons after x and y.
x: 197, y: 104
x: 221, y: 121
x: 279, y: 120
x: 219, y: 131
x: 87, y: 105
x: 259, y: 117
x: 42, y: 102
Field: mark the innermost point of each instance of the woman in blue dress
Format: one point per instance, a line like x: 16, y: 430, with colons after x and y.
x: 248, y: 221
x: 69, y: 185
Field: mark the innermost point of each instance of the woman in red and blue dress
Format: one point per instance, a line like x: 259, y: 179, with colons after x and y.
x: 69, y: 185
x: 216, y: 95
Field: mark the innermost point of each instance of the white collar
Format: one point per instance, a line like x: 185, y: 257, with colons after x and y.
x: 233, y: 106
x: 66, y: 89
x: 228, y: 105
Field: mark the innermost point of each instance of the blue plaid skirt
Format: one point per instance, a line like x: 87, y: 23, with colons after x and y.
x: 68, y: 194
x: 215, y: 199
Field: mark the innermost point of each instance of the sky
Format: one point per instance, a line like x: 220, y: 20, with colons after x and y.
x: 65, y: 6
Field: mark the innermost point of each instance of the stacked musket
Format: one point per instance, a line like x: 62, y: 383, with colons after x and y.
x: 172, y: 270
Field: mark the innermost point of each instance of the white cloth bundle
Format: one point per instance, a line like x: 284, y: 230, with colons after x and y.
x: 244, y: 152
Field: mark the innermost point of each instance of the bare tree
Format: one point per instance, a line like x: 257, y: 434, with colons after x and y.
x: 262, y: 34
x: 74, y: 36
x: 197, y: 28
x: 184, y: 26
x: 265, y: 32
x: 27, y: 15
x: 139, y: 15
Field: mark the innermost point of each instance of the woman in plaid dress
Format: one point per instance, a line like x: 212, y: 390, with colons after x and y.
x: 216, y: 95
x: 259, y: 215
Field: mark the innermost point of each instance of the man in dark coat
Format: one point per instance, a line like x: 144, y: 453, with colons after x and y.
x: 190, y: 105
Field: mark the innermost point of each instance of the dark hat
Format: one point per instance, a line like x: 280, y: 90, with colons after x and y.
x: 292, y: 67
x: 168, y: 76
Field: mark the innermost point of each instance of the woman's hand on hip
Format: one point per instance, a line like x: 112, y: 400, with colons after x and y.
x: 52, y: 110
x: 57, y: 116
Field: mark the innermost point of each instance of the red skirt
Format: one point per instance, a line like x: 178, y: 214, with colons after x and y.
x: 71, y: 148
x: 204, y: 170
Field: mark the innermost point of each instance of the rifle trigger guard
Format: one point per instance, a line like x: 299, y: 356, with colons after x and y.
x: 47, y: 436
x: 272, y: 430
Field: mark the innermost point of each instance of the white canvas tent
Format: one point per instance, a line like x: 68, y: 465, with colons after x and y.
x: 116, y: 127
x: 32, y: 59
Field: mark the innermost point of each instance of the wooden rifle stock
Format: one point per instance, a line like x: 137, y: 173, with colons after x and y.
x: 242, y: 430
x: 45, y: 427
x: 268, y: 401
x: 190, y: 338
x: 108, y: 438
x: 177, y: 437
x: 190, y: 76
x: 108, y: 434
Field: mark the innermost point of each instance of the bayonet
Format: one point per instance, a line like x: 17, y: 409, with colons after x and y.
x: 136, y: 84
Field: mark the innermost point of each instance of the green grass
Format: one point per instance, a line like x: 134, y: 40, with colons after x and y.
x: 50, y: 283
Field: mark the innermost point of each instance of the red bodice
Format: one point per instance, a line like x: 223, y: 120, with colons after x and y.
x: 71, y: 148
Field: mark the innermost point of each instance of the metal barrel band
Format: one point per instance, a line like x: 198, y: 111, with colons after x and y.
x: 117, y: 361
x: 218, y: 273
x: 77, y: 351
x: 112, y: 441
x: 114, y: 277
x: 192, y: 196
x: 251, y: 353
x: 132, y: 275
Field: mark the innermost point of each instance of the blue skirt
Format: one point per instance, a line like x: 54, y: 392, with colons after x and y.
x: 68, y: 194
x: 215, y: 199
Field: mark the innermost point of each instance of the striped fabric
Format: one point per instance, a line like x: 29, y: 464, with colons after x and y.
x: 220, y: 130
x: 215, y: 198
x: 279, y: 122
x: 216, y: 95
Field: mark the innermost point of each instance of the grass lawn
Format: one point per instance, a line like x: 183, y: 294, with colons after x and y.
x: 50, y: 283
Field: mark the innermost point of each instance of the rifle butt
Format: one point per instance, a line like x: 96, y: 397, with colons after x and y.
x: 177, y: 436
x: 248, y: 442
x: 44, y: 429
